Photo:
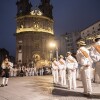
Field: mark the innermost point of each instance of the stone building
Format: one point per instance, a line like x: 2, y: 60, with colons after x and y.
x: 34, y: 31
x: 88, y: 34
x: 68, y: 42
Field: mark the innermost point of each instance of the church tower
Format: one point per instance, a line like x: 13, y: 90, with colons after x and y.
x: 23, y: 7
x: 34, y: 31
x: 46, y: 8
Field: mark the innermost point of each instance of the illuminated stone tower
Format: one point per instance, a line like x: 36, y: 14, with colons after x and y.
x: 34, y: 31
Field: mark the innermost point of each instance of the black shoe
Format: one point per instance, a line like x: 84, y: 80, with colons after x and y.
x: 2, y: 85
x: 6, y: 85
x: 87, y: 95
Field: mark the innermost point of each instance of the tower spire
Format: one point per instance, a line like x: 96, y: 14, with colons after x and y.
x: 46, y: 8
x: 23, y: 7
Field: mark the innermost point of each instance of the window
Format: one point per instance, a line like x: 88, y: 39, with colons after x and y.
x: 98, y: 29
x: 83, y: 34
x: 68, y: 44
x: 93, y: 32
x: 20, y: 47
x: 87, y: 30
x: 88, y: 34
x: 67, y: 40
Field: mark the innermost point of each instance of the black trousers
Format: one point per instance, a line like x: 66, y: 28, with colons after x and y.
x: 6, y: 73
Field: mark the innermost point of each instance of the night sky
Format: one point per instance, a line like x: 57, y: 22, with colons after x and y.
x: 69, y: 16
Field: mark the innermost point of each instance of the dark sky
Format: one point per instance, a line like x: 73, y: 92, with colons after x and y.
x: 69, y: 16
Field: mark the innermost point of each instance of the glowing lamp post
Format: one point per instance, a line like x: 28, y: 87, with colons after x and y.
x: 57, y: 53
x: 53, y: 46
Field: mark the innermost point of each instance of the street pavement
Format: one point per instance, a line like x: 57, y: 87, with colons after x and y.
x: 42, y: 88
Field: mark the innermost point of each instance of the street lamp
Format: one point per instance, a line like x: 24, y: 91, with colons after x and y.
x: 53, y: 45
x: 57, y: 53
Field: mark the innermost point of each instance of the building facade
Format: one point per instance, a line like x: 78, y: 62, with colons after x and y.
x: 34, y: 31
x: 90, y: 32
x: 68, y: 42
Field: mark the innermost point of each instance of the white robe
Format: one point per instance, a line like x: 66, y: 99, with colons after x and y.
x: 71, y: 66
x: 85, y: 71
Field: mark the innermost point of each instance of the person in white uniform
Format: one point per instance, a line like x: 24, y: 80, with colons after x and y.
x: 72, y: 65
x: 62, y: 70
x: 26, y: 71
x: 55, y: 66
x: 42, y: 70
x: 85, y: 61
x: 95, y: 55
x: 15, y: 72
x: 12, y: 72
x: 32, y: 71
x: 29, y: 71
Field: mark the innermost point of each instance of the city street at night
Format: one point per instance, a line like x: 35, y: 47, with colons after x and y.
x: 50, y: 50
x: 42, y: 88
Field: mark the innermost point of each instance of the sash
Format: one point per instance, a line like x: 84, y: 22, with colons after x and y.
x: 72, y: 61
x: 55, y: 64
x: 97, y: 47
x: 84, y: 53
x: 61, y: 63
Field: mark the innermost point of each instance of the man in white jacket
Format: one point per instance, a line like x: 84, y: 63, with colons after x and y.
x: 95, y: 55
x: 62, y: 70
x: 55, y: 70
x: 72, y: 65
x: 85, y: 61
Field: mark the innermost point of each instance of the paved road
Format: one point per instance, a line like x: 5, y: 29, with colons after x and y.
x: 42, y: 88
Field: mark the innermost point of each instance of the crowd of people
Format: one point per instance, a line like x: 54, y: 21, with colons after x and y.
x: 83, y: 66
x: 26, y: 71
x: 9, y: 70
